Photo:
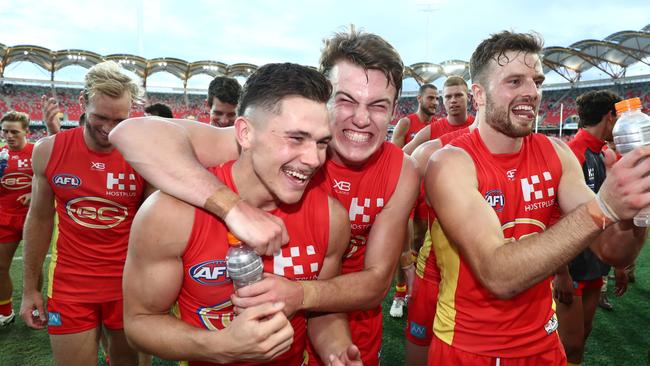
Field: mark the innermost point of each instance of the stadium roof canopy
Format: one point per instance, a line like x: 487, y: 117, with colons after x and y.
x: 611, y: 55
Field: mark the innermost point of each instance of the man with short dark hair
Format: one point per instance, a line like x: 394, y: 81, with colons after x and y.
x: 455, y: 97
x: 502, y: 182
x: 223, y: 96
x: 158, y: 109
x: 283, y: 132
x: 407, y: 127
x: 363, y: 172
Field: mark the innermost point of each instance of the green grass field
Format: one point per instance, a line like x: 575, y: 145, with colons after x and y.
x: 620, y: 337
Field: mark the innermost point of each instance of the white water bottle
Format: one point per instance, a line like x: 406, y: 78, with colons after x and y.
x: 630, y: 131
x: 244, y: 265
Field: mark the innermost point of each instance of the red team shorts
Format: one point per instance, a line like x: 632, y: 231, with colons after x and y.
x: 579, y: 286
x: 68, y: 317
x: 442, y: 354
x: 365, y: 328
x: 421, y: 311
x: 11, y: 228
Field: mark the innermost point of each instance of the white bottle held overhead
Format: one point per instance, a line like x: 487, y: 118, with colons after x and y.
x: 244, y: 265
x: 630, y: 131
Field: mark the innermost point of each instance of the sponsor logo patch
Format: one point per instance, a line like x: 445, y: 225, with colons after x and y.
x: 495, y: 199
x: 211, y: 273
x: 96, y: 212
x: 66, y: 180
x: 417, y: 330
x: 16, y: 181
x: 53, y: 319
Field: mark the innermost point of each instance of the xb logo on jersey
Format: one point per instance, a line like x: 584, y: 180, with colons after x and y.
x: 341, y: 185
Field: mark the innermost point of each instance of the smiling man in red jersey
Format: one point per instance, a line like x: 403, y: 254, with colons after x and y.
x: 96, y: 194
x: 283, y: 131
x: 15, y: 195
x: 362, y: 172
x: 495, y: 304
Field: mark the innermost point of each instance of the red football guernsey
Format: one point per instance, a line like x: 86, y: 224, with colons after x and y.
x: 442, y: 126
x: 204, y: 299
x: 522, y: 189
x: 426, y: 266
x: 363, y: 192
x: 16, y: 181
x: 97, y: 195
x: 415, y: 126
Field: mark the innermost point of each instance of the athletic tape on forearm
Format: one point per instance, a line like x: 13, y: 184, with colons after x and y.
x: 221, y: 201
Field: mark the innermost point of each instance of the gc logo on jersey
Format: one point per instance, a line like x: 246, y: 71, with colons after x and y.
x: 16, y: 181
x: 495, y: 199
x: 211, y: 273
x: 65, y: 180
x: 96, y: 212
x: 214, y: 317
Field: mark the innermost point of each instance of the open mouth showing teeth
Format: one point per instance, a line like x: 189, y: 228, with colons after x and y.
x: 296, y: 175
x: 525, y: 111
x: 356, y: 136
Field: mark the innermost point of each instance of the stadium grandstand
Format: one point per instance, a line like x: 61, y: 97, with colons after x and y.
x: 611, y: 55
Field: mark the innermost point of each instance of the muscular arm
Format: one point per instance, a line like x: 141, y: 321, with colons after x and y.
x: 329, y: 333
x: 37, y: 233
x: 400, y: 131
x: 153, y: 277
x: 172, y: 154
x: 452, y: 188
x: 367, y: 288
x: 421, y: 137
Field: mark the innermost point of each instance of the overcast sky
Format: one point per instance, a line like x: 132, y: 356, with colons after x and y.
x: 259, y: 32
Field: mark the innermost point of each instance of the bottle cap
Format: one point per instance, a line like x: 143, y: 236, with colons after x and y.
x: 628, y: 105
x: 233, y: 240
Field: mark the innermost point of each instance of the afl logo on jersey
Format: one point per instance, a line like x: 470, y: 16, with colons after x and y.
x: 495, y: 199
x: 66, y: 181
x: 211, y: 273
x: 16, y: 181
x: 96, y: 212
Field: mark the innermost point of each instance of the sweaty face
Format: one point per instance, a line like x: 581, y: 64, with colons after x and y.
x: 360, y: 109
x: 14, y: 134
x: 222, y: 114
x: 288, y: 148
x: 455, y: 100
x: 514, y: 94
x: 103, y: 113
x: 428, y: 101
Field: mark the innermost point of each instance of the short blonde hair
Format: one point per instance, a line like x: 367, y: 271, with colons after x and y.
x: 108, y: 78
x: 13, y: 116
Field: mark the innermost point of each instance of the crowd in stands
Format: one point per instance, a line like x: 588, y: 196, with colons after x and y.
x: 26, y: 98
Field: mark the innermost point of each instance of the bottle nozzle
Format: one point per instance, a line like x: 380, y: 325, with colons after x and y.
x: 233, y: 240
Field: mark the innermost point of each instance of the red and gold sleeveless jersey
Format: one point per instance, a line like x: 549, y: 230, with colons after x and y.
x: 442, y: 126
x: 16, y: 181
x: 522, y: 189
x: 415, y: 126
x: 97, y: 195
x: 426, y: 266
x: 363, y: 192
x: 204, y: 299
